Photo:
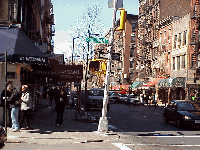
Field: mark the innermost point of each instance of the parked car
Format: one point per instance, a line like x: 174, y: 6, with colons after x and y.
x: 122, y: 98
x: 114, y: 97
x: 184, y: 113
x: 3, y: 136
x: 95, y: 99
x: 135, y: 99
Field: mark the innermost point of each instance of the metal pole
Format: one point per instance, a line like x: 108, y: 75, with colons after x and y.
x: 73, y: 51
x: 103, y: 122
x: 5, y: 91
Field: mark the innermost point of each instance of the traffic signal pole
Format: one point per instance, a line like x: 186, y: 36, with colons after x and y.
x: 103, y: 121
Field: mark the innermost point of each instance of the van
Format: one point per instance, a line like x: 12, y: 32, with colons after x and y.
x: 95, y: 99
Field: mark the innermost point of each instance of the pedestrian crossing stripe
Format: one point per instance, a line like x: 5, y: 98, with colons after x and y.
x: 121, y: 146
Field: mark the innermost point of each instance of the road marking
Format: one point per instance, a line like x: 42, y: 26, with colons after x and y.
x: 121, y: 146
x: 169, y: 136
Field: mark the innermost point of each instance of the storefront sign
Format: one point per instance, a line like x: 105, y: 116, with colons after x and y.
x: 30, y: 59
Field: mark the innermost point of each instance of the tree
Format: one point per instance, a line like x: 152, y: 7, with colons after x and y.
x: 89, y: 23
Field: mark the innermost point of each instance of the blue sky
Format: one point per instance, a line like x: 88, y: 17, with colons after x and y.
x: 67, y: 12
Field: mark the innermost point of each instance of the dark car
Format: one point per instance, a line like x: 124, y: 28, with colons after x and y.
x: 184, y: 113
x: 3, y: 136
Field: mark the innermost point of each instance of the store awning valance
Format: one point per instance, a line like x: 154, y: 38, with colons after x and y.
x: 155, y: 81
x: 136, y: 84
x: 172, y: 82
x: 15, y: 42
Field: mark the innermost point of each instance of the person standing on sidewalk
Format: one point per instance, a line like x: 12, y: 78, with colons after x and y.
x: 61, y: 101
x: 8, y: 95
x: 26, y: 106
x: 15, y: 106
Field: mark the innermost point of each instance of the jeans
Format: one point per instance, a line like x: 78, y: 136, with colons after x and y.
x: 14, y: 117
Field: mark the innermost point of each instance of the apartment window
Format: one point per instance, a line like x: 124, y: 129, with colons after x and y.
x: 178, y: 62
x: 165, y: 37
x: 183, y: 61
x: 184, y: 37
x: 133, y: 26
x: 132, y: 52
x: 169, y: 36
x: 175, y: 40
x: 160, y: 38
x: 173, y: 67
x: 131, y: 64
x: 179, y: 39
x: 132, y: 39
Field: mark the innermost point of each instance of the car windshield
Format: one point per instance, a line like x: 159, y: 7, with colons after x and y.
x: 186, y: 106
x: 113, y: 94
x: 96, y: 93
x: 122, y: 95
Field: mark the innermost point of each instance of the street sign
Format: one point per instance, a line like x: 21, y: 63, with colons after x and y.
x: 97, y: 40
x: 111, y: 3
x: 115, y: 56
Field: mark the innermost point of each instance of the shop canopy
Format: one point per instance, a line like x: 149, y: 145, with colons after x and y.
x: 172, y: 82
x: 136, y: 84
x: 153, y: 82
x: 122, y: 86
x: 19, y: 47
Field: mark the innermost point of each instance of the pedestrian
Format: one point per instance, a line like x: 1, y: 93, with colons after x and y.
x: 8, y: 95
x: 61, y: 101
x: 51, y: 96
x: 128, y: 100
x: 15, y: 106
x: 26, y: 106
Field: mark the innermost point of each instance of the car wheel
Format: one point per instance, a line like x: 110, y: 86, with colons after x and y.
x: 178, y: 123
x: 166, y: 120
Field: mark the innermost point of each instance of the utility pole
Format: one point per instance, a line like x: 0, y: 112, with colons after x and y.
x: 5, y: 91
x: 103, y: 122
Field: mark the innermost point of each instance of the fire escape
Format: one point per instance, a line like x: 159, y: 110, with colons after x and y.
x: 195, y: 16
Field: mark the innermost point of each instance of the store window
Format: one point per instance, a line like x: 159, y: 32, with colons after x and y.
x: 179, y: 39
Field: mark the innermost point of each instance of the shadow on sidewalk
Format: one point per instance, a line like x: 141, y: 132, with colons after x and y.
x: 44, y: 118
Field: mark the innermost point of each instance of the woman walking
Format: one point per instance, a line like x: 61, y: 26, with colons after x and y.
x: 26, y: 106
x: 61, y: 101
x: 15, y: 106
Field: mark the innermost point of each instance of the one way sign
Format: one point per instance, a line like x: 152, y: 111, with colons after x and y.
x: 115, y: 56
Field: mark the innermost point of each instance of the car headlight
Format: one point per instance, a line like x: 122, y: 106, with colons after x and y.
x: 187, y: 117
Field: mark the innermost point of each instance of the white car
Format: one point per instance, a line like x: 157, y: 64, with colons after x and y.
x: 123, y: 98
x: 135, y: 100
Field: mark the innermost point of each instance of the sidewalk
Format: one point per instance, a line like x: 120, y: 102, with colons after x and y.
x: 45, y: 132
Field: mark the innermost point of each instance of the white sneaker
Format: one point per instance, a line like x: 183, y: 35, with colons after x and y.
x: 14, y: 130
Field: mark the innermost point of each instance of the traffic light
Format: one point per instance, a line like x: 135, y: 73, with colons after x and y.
x: 122, y: 19
x: 94, y: 66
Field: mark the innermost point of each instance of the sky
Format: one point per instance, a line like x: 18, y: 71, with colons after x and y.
x: 67, y: 12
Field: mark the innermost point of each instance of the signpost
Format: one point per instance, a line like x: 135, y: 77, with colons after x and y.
x: 97, y: 40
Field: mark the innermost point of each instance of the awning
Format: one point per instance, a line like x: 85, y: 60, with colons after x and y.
x: 155, y: 81
x: 17, y: 44
x: 136, y: 84
x: 123, y: 86
x: 172, y: 82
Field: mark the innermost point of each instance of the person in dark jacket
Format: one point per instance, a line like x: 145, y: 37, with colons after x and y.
x: 15, y: 106
x: 8, y: 95
x: 61, y: 101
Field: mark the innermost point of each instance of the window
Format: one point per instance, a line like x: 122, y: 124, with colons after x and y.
x: 132, y: 39
x: 175, y: 40
x: 132, y: 52
x: 165, y: 37
x: 179, y: 39
x: 184, y: 37
x: 183, y: 62
x: 178, y: 62
x: 173, y: 67
x: 160, y: 38
x: 131, y: 64
x: 169, y: 37
x: 133, y: 26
